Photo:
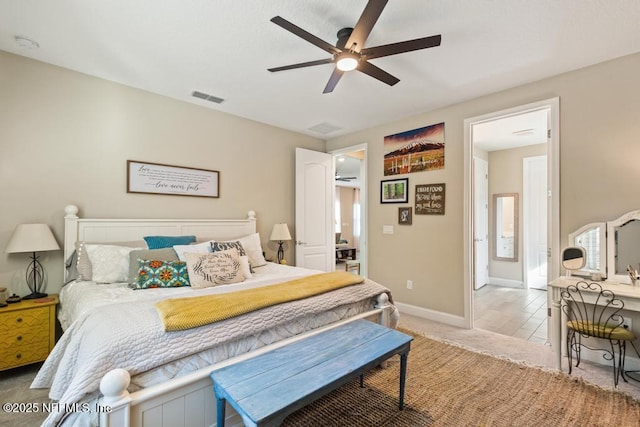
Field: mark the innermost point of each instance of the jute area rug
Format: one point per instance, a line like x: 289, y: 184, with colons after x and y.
x: 451, y: 386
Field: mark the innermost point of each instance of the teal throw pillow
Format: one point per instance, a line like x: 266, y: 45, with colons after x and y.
x: 160, y: 242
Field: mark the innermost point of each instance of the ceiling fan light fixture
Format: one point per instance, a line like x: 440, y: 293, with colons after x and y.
x: 347, y: 61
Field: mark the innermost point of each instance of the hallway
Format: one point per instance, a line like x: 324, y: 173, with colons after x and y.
x: 520, y: 313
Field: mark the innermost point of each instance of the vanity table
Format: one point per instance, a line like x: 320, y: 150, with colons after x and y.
x: 608, y: 247
x: 630, y: 295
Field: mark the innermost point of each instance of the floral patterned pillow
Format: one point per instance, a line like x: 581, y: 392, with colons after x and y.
x: 161, y: 274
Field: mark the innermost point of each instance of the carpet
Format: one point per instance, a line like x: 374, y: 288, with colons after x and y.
x: 451, y: 386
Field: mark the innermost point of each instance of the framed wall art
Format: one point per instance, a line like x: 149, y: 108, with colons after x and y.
x: 156, y: 178
x: 405, y: 216
x: 416, y: 150
x: 394, y: 190
x: 430, y: 199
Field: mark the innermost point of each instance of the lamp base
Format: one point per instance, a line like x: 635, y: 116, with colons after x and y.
x: 35, y: 295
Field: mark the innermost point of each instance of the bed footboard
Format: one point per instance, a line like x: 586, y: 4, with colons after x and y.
x: 189, y: 400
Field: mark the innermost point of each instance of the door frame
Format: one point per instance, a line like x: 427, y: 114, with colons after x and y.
x: 553, y: 185
x: 475, y: 160
x: 364, y: 197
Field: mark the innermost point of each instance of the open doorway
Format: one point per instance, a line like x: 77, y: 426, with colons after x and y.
x: 350, y: 208
x: 511, y: 218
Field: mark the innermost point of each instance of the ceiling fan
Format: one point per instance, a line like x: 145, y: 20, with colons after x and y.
x: 349, y: 52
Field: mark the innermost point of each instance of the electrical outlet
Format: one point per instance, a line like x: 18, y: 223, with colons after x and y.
x: 409, y: 284
x: 626, y: 323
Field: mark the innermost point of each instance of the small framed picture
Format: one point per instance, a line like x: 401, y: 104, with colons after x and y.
x: 405, y: 216
x: 394, y: 190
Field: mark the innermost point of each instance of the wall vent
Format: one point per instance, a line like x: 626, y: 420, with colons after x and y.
x: 207, y: 97
x: 324, y: 128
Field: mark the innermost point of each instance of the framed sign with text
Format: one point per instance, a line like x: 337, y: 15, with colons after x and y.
x: 430, y: 199
x: 156, y: 178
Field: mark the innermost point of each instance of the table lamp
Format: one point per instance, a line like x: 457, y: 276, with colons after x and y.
x: 280, y: 233
x: 33, y: 238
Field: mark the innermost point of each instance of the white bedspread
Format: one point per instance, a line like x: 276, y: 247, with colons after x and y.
x: 126, y: 331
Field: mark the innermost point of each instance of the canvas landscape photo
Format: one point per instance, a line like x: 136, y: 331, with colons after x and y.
x: 414, y: 150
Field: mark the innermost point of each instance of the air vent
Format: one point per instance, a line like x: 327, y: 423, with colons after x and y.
x: 207, y: 97
x: 324, y: 128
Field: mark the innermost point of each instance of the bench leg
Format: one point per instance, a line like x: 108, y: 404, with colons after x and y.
x: 403, y: 377
x: 220, y: 416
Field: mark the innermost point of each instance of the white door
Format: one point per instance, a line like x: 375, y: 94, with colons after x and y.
x: 535, y: 221
x: 481, y: 222
x: 315, y: 238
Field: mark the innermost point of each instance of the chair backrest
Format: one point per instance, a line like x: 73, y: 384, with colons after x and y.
x: 595, y: 311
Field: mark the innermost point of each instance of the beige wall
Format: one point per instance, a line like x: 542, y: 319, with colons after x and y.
x: 65, y: 138
x: 599, y: 172
x: 505, y: 176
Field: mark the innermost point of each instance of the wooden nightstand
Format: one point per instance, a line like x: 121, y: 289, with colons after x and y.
x: 27, y: 331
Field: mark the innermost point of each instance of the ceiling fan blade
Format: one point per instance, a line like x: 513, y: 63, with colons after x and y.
x: 401, y: 47
x: 333, y: 80
x: 361, y: 31
x: 302, y: 65
x: 278, y: 20
x: 377, y: 73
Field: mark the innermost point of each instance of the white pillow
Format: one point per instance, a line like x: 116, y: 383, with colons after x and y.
x: 253, y: 248
x: 245, y: 267
x: 216, y: 268
x: 199, y: 248
x: 109, y: 264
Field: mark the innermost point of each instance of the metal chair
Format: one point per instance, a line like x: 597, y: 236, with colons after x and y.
x: 593, y: 312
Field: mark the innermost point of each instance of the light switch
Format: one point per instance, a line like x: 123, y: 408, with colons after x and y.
x: 387, y: 229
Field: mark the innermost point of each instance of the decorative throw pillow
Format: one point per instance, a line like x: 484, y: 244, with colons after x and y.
x: 159, y: 242
x: 109, y: 264
x: 161, y: 274
x: 166, y: 254
x: 83, y: 263
x: 196, y: 248
x: 252, y: 246
x: 217, y: 268
x: 224, y: 246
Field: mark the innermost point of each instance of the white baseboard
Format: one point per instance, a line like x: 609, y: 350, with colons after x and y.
x: 506, y: 282
x: 425, y: 313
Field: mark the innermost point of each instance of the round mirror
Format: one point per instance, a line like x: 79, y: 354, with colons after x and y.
x: 574, y: 258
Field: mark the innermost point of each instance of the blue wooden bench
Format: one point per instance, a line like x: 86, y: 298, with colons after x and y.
x: 267, y: 388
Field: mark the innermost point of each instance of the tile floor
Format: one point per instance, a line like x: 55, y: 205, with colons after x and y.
x: 520, y: 313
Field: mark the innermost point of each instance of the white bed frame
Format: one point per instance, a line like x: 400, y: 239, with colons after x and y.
x: 187, y: 400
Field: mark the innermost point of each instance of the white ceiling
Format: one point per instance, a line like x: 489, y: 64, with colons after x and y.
x: 224, y: 47
x: 519, y: 130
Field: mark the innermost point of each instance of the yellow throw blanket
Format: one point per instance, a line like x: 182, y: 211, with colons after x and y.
x: 185, y: 313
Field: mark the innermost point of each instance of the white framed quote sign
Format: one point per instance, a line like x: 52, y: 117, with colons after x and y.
x: 156, y: 178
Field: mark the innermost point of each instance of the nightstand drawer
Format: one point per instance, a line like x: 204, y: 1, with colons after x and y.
x: 27, y: 331
x: 26, y: 336
x: 23, y: 354
x: 24, y: 320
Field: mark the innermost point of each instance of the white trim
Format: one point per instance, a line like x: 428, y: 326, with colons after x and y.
x: 508, y: 283
x: 425, y: 313
x: 553, y: 183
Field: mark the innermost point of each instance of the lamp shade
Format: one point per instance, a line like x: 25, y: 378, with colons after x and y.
x: 280, y: 232
x: 32, y: 238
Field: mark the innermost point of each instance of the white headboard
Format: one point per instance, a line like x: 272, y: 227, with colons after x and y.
x: 118, y: 230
